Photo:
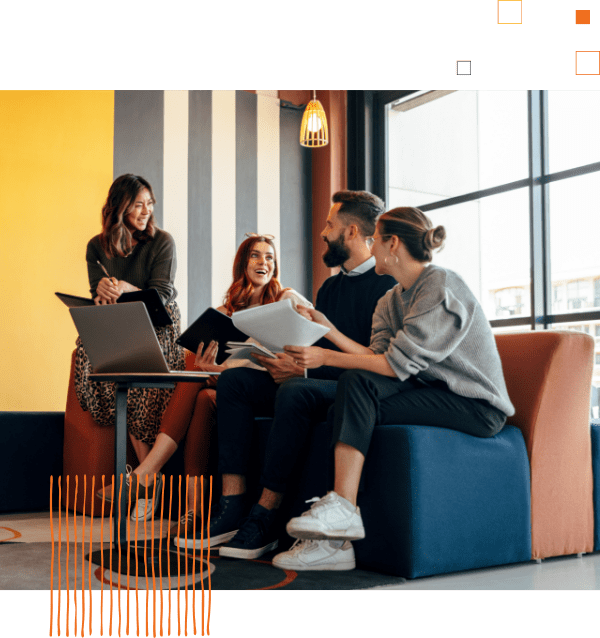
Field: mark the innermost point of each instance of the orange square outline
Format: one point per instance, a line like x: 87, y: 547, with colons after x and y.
x: 576, y: 52
x: 520, y: 1
x: 583, y: 11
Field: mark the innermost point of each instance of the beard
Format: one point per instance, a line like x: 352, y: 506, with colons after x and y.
x: 337, y: 252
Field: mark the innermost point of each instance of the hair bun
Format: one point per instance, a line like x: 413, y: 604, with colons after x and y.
x: 434, y: 238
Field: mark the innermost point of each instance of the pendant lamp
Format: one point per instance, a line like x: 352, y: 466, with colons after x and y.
x: 313, y: 131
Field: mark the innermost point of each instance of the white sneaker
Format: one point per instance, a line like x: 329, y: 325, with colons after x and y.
x: 316, y: 555
x: 328, y: 518
x: 140, y: 508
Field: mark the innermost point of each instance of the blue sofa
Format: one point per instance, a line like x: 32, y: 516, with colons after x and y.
x: 433, y: 500
x: 436, y: 501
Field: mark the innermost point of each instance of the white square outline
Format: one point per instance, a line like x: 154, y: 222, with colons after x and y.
x: 505, y: 5
x: 578, y: 60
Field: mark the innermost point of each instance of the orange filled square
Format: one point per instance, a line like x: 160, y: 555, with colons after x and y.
x: 582, y: 16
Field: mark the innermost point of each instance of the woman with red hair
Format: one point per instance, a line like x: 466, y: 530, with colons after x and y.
x: 191, y: 411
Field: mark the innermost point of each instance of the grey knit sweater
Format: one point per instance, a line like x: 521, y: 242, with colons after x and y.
x: 150, y: 265
x: 438, y: 330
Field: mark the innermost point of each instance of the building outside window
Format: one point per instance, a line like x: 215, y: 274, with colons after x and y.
x: 464, y: 158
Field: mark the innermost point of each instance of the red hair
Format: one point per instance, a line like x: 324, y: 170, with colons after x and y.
x: 240, y: 292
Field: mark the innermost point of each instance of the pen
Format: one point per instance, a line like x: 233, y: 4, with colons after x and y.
x: 112, y: 279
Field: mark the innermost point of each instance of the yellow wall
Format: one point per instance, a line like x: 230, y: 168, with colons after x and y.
x: 56, y: 162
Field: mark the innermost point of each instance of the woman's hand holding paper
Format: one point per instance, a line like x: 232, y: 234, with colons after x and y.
x: 315, y: 316
x: 307, y: 357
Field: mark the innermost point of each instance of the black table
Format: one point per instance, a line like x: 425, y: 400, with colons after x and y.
x: 124, y: 381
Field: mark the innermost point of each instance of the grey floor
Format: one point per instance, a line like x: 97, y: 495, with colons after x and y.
x: 563, y: 573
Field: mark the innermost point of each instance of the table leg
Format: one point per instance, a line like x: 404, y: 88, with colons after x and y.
x: 120, y: 462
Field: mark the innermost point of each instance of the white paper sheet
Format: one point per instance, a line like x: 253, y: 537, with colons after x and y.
x: 277, y: 325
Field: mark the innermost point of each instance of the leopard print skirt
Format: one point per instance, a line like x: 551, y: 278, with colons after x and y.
x: 145, y: 406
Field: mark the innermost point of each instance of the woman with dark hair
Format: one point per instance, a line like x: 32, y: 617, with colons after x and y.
x: 192, y: 408
x: 137, y: 255
x: 432, y: 360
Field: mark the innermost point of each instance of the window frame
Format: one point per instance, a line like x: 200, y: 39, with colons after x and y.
x: 367, y: 170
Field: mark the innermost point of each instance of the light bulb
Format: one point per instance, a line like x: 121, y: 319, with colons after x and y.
x: 314, y: 123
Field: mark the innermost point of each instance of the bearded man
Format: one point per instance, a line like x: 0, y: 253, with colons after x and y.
x: 295, y: 402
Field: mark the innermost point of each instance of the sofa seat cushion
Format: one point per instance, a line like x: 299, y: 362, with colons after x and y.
x: 438, y: 501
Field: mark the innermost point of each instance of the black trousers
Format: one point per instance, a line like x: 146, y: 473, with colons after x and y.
x: 296, y: 406
x: 366, y: 399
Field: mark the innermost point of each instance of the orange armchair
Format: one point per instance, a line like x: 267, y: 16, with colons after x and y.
x: 549, y: 377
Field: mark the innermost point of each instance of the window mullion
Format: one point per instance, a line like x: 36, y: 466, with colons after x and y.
x: 538, y: 210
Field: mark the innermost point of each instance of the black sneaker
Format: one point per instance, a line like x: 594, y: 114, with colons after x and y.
x: 223, y: 525
x: 256, y: 535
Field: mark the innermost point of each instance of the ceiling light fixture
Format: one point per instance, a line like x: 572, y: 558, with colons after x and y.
x: 313, y: 131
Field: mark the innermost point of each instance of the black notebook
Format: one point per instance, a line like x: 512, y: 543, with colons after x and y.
x: 211, y: 325
x: 154, y: 304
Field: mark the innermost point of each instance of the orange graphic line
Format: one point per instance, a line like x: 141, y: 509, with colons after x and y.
x: 152, y: 555
x: 187, y: 481
x: 51, y: 560
x: 145, y: 557
x: 202, y: 608
x: 82, y: 555
x: 90, y: 562
x: 111, y: 532
x: 208, y: 554
x: 194, y: 561
x: 67, y: 528
x: 128, y: 553
x: 169, y: 545
x: 162, y: 508
x: 102, y: 561
x: 15, y: 534
x: 59, y: 568
x: 137, y: 520
x: 99, y: 573
x: 119, y: 535
x: 178, y: 562
x: 75, y: 553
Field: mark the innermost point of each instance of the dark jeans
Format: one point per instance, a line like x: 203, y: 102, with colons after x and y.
x: 366, y: 399
x: 296, y: 405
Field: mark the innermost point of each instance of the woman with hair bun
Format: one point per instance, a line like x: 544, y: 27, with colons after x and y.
x: 432, y: 360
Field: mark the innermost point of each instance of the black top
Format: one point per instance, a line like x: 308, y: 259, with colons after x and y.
x: 349, y: 303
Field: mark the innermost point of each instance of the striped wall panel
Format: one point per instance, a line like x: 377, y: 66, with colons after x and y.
x: 221, y: 163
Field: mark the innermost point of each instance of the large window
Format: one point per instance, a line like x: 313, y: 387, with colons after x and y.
x: 514, y: 177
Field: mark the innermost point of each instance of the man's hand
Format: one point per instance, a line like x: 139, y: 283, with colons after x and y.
x: 281, y: 369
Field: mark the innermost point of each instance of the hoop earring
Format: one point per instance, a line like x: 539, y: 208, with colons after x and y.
x: 385, y: 261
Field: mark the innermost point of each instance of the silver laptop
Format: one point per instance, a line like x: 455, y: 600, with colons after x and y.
x: 120, y: 338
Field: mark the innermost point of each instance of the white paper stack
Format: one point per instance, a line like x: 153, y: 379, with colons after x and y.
x: 278, y: 324
x: 243, y: 350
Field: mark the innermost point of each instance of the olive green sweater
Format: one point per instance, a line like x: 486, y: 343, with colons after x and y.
x: 150, y: 265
